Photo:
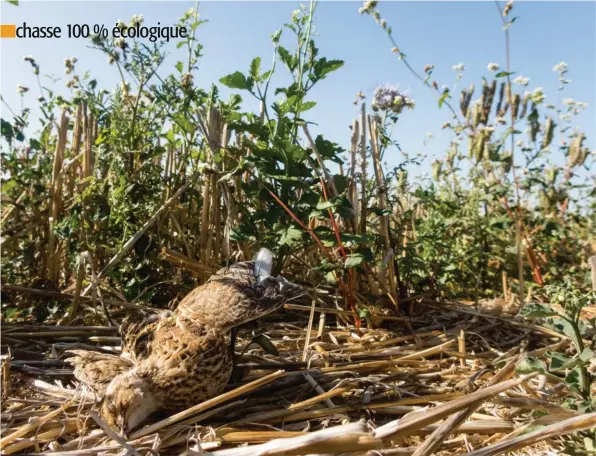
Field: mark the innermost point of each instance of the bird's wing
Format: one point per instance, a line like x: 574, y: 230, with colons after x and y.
x: 96, y: 370
x: 189, y: 364
x: 137, y: 330
x: 226, y: 303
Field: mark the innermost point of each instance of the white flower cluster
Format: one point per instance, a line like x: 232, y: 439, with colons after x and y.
x: 136, y: 19
x: 521, y: 80
x: 561, y: 67
x: 69, y: 64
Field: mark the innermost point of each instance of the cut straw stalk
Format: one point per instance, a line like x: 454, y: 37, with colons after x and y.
x: 55, y: 203
x: 24, y: 430
x: 292, y: 415
x: 56, y: 294
x: 575, y: 424
x: 350, y: 437
x: 208, y: 404
x: 417, y: 420
x: 47, y: 436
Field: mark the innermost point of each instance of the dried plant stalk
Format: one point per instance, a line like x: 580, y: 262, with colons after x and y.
x: 56, y: 200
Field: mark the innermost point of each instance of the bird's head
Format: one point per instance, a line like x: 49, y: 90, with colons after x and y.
x: 128, y: 401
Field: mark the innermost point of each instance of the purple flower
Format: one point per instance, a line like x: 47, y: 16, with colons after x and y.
x: 389, y: 98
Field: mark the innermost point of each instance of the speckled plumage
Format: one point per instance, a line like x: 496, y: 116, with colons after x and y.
x: 96, y: 370
x: 187, y: 363
x: 234, y: 296
x: 174, y: 360
x: 137, y: 331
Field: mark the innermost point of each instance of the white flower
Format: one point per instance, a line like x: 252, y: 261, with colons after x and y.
x: 560, y: 67
x: 458, y: 67
x: 521, y: 80
x: 581, y: 104
x: 519, y: 143
x: 137, y: 19
x: 493, y: 67
x: 22, y: 89
x: 569, y: 101
x: 537, y: 95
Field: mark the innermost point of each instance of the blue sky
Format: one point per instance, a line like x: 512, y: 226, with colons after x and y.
x: 439, y: 33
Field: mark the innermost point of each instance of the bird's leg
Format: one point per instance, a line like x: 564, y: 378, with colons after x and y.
x: 233, y: 337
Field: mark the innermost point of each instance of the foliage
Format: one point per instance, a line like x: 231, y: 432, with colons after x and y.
x: 576, y: 370
x: 261, y: 181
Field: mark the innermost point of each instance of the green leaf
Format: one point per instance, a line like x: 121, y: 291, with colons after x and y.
x: 255, y: 67
x: 503, y: 74
x: 183, y: 122
x: 13, y: 2
x: 34, y: 144
x: 510, y: 23
x: 286, y: 57
x: 324, y: 205
x: 559, y: 361
x: 323, y: 67
x: 569, y: 331
x: 236, y: 81
x: 330, y: 278
x: 307, y: 105
x: 353, y: 260
x: 7, y: 131
x: 535, y: 310
x: 443, y: 98
x: 528, y: 365
x: 341, y: 183
x: 329, y: 150
x: 180, y: 66
x: 291, y: 236
x: 265, y: 343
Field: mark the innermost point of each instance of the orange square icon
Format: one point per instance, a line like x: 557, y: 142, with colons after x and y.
x: 8, y: 31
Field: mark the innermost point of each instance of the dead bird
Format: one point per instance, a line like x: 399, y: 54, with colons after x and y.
x: 186, y: 364
x: 174, y: 360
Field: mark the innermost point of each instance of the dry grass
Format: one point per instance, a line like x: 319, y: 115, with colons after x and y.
x: 374, y: 393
